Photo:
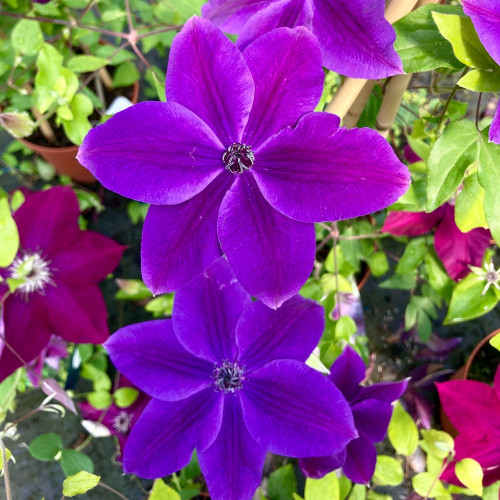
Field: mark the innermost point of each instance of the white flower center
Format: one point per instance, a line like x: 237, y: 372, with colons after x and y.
x: 122, y: 422
x: 33, y: 270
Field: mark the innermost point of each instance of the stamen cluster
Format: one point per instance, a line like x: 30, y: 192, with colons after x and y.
x: 228, y: 377
x: 34, y: 270
x: 123, y: 422
x: 238, y: 158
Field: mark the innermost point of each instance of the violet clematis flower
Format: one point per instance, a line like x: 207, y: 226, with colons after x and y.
x: 228, y: 377
x: 456, y: 250
x: 372, y: 409
x: 62, y: 266
x: 474, y: 410
x: 355, y: 38
x: 235, y: 159
x: 485, y: 16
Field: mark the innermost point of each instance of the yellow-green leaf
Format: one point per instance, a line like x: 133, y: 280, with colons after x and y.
x: 162, y: 491
x: 470, y: 473
x: 403, y: 432
x: 79, y: 483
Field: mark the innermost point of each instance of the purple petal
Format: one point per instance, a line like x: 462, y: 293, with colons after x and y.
x: 163, y: 439
x: 317, y: 467
x: 89, y: 259
x: 208, y: 75
x: 156, y: 152
x: 295, y: 411
x: 150, y: 355
x: 171, y: 255
x: 271, y: 255
x: 371, y: 418
x: 48, y: 220
x: 458, y: 250
x: 231, y: 15
x: 233, y: 465
x: 412, y: 223
x: 318, y: 172
x: 25, y: 327
x: 291, y: 331
x: 486, y: 18
x: 286, y: 67
x: 356, y: 39
x: 347, y: 372
x: 360, y: 460
x: 206, y: 312
x: 495, y: 127
x: 385, y: 391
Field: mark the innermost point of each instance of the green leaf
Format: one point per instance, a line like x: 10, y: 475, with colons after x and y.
x: 402, y: 432
x: 282, y: 483
x: 132, y: 290
x: 125, y: 75
x: 495, y: 342
x: 100, y: 399
x: 125, y: 396
x: 469, y: 205
x: 400, y: 281
x: 326, y: 488
x: 470, y: 474
x: 159, y: 86
x: 460, y: 32
x: 378, y: 264
x: 161, y: 306
x: 77, y: 128
x: 46, y: 446
x: 9, y: 236
x: 427, y: 485
x: 358, y: 492
x: 453, y: 152
x: 489, y: 178
x: 345, y: 328
x: 345, y: 486
x: 388, y: 471
x: 480, y: 80
x: 413, y: 256
x: 86, y: 64
x: 49, y: 64
x: 73, y: 462
x: 439, y: 443
x: 492, y: 492
x: 79, y: 483
x: 467, y: 301
x: 27, y: 37
x: 9, y: 456
x: 162, y: 491
x: 437, y: 276
x: 419, y: 42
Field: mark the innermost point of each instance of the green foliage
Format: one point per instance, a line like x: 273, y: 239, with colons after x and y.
x: 326, y: 488
x: 388, y: 471
x: 27, y: 37
x: 428, y: 486
x: 282, y: 483
x: 162, y: 491
x: 125, y: 75
x: 402, y: 432
x: 79, y: 483
x: 73, y: 462
x: 46, y: 446
x: 125, y: 396
x: 439, y: 443
x: 470, y: 473
x: 9, y: 236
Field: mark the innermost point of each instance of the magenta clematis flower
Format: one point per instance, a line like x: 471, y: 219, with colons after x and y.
x: 456, y: 250
x: 62, y: 266
x: 355, y: 38
x: 235, y: 162
x: 228, y: 377
x: 474, y: 410
x: 372, y: 409
x: 485, y: 16
x: 51, y: 356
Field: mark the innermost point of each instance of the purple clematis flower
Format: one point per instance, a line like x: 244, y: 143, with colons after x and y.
x: 355, y: 38
x: 456, y: 250
x: 62, y: 266
x: 372, y: 409
x: 485, y: 16
x: 228, y: 377
x: 235, y: 162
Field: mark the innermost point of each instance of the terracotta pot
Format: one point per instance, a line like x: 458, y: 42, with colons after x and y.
x: 64, y: 159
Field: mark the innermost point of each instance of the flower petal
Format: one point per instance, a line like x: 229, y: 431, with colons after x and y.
x: 48, y: 220
x: 360, y: 460
x: 384, y: 391
x: 291, y: 331
x: 288, y: 74
x: 497, y: 382
x: 371, y: 418
x: 156, y: 152
x: 233, y: 465
x: 150, y: 355
x: 163, y: 439
x: 208, y: 75
x: 356, y: 39
x: 171, y: 255
x: 206, y: 312
x: 412, y: 223
x: 347, y: 372
x: 456, y: 249
x: 231, y: 15
x: 317, y: 467
x: 295, y: 411
x: 318, y: 172
x: 495, y: 127
x: 271, y: 255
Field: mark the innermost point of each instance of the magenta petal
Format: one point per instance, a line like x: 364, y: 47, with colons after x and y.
x: 317, y: 467
x: 356, y: 39
x: 289, y: 332
x: 458, y: 250
x: 412, y: 223
x: 296, y: 411
x: 171, y: 254
x: 318, y: 172
x: 26, y: 329
x: 206, y: 312
x: 163, y: 439
x: 150, y: 355
x: 360, y: 460
x: 156, y: 152
x: 48, y: 220
x: 271, y: 255
x: 233, y: 465
x: 371, y: 418
x: 286, y: 67
x: 208, y: 75
x: 231, y: 15
x: 347, y: 372
x: 497, y: 382
x: 495, y: 127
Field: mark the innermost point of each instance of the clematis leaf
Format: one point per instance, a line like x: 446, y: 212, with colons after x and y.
x: 86, y: 64
x: 426, y: 485
x: 481, y: 80
x: 27, y: 37
x: 162, y: 491
x: 125, y: 396
x: 9, y: 236
x: 79, y: 483
x: 388, y: 471
x: 413, y: 256
x: 402, y: 432
x: 282, y: 483
x: 469, y: 211
x: 9, y: 456
x: 76, y: 129
x: 46, y: 446
x: 72, y: 462
x: 495, y: 342
x: 470, y: 473
x: 326, y: 488
x: 439, y: 443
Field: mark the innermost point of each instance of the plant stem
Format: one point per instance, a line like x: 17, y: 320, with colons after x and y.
x: 20, y: 419
x: 448, y: 101
x: 117, y: 493
x: 477, y: 110
x: 335, y: 235
x: 6, y: 476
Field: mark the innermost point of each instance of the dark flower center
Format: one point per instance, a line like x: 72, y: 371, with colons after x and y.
x: 33, y: 270
x: 238, y: 158
x: 228, y: 377
x: 122, y: 422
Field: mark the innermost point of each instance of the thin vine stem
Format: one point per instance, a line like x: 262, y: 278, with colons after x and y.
x: 448, y: 101
x: 6, y: 476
